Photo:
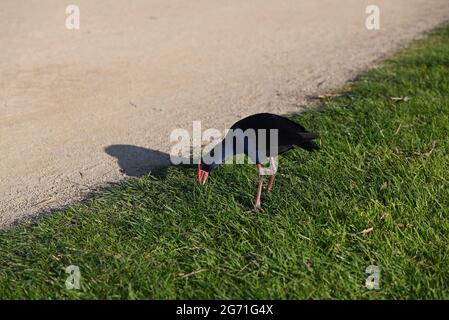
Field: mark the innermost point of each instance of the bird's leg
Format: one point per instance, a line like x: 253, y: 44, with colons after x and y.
x: 257, y: 205
x: 270, y: 183
x: 273, y: 174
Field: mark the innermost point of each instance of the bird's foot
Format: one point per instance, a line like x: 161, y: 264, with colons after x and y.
x: 258, y: 207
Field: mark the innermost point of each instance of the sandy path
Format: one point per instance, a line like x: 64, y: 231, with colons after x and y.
x: 134, y: 72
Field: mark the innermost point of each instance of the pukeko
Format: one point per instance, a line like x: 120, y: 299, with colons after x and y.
x: 261, y: 137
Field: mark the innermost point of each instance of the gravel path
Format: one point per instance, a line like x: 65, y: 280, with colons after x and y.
x: 80, y: 108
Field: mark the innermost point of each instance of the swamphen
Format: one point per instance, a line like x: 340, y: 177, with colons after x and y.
x: 261, y: 137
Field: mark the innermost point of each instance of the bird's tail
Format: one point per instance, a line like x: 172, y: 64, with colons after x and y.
x: 309, y: 135
x: 306, y: 141
x: 309, y: 146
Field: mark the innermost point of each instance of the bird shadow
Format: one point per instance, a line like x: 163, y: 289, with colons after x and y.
x: 134, y: 161
x: 137, y: 161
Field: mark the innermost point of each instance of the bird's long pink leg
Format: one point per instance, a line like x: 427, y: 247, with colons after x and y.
x: 258, y: 206
x: 270, y: 183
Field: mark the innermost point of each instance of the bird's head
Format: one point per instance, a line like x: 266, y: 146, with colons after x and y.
x: 203, y: 172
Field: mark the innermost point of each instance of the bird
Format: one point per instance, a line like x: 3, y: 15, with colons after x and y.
x: 262, y: 137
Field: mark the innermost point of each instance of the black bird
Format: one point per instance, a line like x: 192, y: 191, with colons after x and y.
x: 261, y: 137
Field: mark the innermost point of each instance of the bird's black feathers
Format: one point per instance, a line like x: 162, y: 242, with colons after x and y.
x: 309, y: 146
x: 268, y: 121
x: 308, y: 135
x: 289, y: 135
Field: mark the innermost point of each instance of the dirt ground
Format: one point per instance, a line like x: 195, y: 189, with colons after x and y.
x: 80, y: 108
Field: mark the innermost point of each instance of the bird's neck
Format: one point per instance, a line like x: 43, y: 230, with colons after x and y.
x: 220, y: 153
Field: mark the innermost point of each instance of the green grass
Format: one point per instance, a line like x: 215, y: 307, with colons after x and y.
x: 163, y: 236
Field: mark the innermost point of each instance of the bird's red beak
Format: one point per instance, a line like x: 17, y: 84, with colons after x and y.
x: 202, y: 174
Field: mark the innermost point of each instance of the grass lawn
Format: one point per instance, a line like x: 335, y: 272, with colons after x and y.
x: 384, y: 164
